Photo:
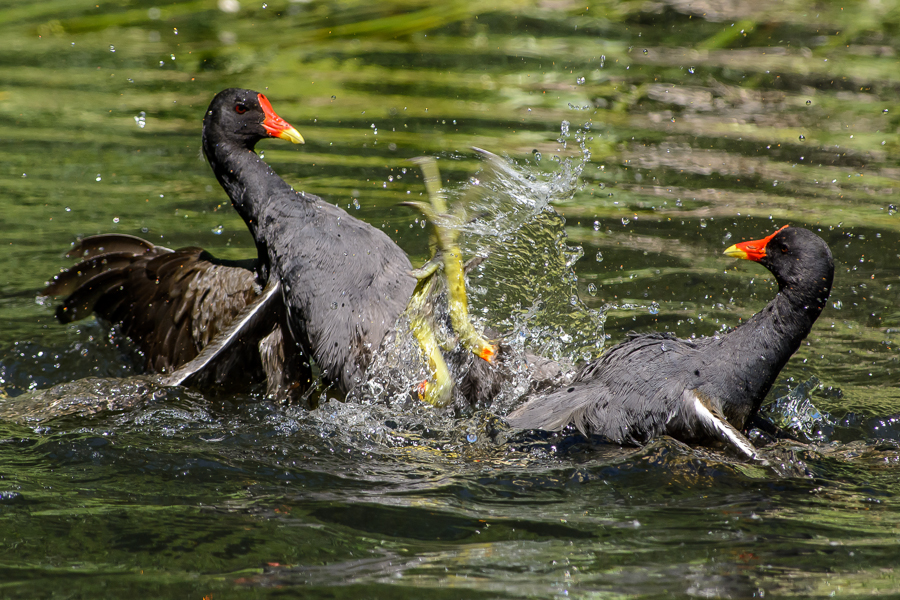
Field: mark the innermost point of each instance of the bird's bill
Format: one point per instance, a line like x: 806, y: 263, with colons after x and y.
x: 754, y: 250
x: 276, y: 126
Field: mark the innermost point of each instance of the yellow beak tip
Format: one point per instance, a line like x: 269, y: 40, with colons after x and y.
x: 292, y: 135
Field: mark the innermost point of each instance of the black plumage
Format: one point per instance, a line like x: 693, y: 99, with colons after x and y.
x: 697, y: 389
x: 339, y: 283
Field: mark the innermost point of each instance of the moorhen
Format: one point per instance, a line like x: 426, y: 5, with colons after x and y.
x: 698, y: 389
x: 334, y: 285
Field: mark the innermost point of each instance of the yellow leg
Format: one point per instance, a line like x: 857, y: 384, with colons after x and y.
x: 447, y: 233
x: 437, y: 393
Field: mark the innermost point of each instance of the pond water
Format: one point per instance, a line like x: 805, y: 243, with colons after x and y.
x: 661, y: 132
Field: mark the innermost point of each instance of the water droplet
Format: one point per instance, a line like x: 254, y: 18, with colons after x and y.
x: 471, y: 438
x: 625, y: 221
x: 162, y: 63
x: 599, y: 256
x: 218, y: 229
x: 355, y: 204
x: 115, y: 219
x: 703, y: 223
x: 172, y: 56
x: 537, y: 155
x: 113, y: 49
x: 654, y: 308
x: 678, y: 202
x: 141, y: 119
x: 596, y: 225
x: 837, y: 305
x: 892, y: 209
x: 691, y: 70
x: 98, y: 178
x: 802, y: 137
x: 592, y: 289
x: 334, y: 306
x: 68, y: 209
x: 808, y: 102
x: 884, y: 111
x: 602, y: 61
x: 579, y: 80
x: 175, y: 30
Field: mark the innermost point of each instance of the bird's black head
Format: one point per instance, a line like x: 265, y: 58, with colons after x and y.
x: 796, y: 256
x: 244, y: 117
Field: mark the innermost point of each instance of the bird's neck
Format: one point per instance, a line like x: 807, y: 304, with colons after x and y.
x: 763, y: 345
x: 249, y: 182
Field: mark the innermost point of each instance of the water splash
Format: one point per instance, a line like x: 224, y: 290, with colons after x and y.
x: 525, y: 282
x: 795, y: 412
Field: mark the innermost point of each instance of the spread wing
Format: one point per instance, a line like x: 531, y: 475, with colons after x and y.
x: 170, y: 303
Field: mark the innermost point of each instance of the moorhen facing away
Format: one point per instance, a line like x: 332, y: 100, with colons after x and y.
x: 334, y: 285
x: 698, y: 389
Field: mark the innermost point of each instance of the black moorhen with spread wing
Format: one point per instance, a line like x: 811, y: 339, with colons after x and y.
x: 697, y: 389
x: 334, y: 286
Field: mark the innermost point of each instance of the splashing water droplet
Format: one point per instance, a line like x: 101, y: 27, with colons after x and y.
x: 471, y: 438
x: 654, y: 308
x: 112, y: 48
x: 625, y: 221
x: 537, y: 155
x: 579, y: 80
x: 141, y: 119
x: 691, y: 70
x: 592, y: 289
x: 599, y: 256
x: 703, y: 223
x: 98, y: 178
x: 602, y: 60
x: 596, y: 225
x: 218, y: 230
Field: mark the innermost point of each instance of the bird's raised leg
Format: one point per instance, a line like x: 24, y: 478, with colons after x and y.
x: 446, y: 229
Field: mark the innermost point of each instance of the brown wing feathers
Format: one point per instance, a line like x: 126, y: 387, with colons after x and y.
x: 169, y: 303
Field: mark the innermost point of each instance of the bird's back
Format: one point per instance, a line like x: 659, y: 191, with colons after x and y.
x: 628, y: 395
x: 345, y: 282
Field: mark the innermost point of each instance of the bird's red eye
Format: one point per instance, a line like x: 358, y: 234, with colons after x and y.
x: 240, y: 109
